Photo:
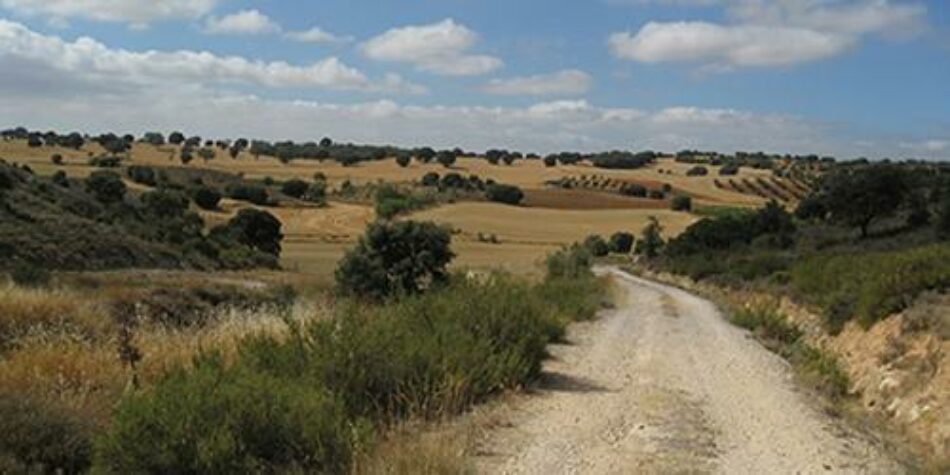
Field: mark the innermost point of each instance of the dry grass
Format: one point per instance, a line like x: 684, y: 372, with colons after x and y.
x: 427, y: 449
x: 29, y: 314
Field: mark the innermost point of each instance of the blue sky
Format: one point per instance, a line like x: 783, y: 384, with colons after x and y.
x: 843, y: 77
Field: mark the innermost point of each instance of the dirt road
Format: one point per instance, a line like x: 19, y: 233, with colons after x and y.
x: 663, y: 384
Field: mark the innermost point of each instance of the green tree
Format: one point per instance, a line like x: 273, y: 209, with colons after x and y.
x: 176, y: 138
x: 207, y: 198
x: 507, y: 194
x: 403, y: 159
x: 256, y: 229
x: 550, y: 161
x: 621, y: 243
x: 294, y: 188
x: 682, y: 203
x: 106, y: 186
x: 858, y: 197
x: 651, y: 240
x: 446, y: 158
x: 597, y: 246
x: 395, y: 257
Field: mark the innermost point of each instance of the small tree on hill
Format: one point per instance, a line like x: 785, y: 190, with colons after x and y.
x: 446, y: 158
x: 403, y: 160
x: 621, y: 243
x: 550, y: 161
x: 597, y: 246
x: 651, y: 240
x: 207, y: 198
x: 393, y: 258
x: 176, y: 138
x: 106, y: 186
x: 682, y: 203
x: 294, y: 188
x: 507, y: 194
x: 256, y: 229
x: 859, y: 197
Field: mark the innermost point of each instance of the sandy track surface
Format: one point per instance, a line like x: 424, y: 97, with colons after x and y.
x: 663, y: 384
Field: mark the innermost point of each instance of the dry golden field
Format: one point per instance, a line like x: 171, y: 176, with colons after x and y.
x: 317, y: 237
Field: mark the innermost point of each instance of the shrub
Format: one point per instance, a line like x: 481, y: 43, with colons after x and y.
x: 294, y: 188
x: 105, y: 162
x: 651, y: 240
x: 29, y: 275
x: 207, y: 198
x: 256, y: 229
x: 597, y: 246
x: 871, y: 285
x: 316, y: 193
x: 106, y: 186
x: 430, y: 179
x: 57, y: 159
x: 639, y: 191
x: 402, y: 257
x: 142, y: 175
x: 697, y: 171
x: 403, y: 159
x: 60, y: 179
x: 255, y: 194
x: 570, y: 263
x: 507, y: 194
x: 165, y: 203
x: 217, y: 420
x: 38, y: 437
x: 682, y: 203
x: 657, y: 195
x: 621, y: 243
x: 729, y: 170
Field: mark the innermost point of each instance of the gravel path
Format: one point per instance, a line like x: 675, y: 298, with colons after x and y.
x: 663, y: 384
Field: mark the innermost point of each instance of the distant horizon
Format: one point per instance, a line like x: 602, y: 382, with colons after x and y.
x: 842, y: 78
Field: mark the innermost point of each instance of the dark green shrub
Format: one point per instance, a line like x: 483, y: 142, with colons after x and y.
x: 294, y: 188
x: 657, y: 195
x: 165, y: 203
x: 38, y: 437
x: 57, y: 159
x: 29, y: 275
x: 651, y: 240
x: 105, y: 162
x: 316, y: 193
x: 697, y: 171
x: 207, y: 198
x: 255, y: 194
x: 142, y: 175
x: 507, y: 194
x: 403, y: 159
x: 430, y: 179
x: 106, y: 186
x: 597, y: 246
x: 217, y: 420
x: 256, y: 229
x: 395, y: 257
x: 638, y: 191
x: 621, y: 243
x: 682, y: 203
x: 60, y: 179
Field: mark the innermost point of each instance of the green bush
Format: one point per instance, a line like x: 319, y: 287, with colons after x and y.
x: 294, y: 188
x: 29, y: 275
x: 213, y: 419
x: 507, y: 194
x: 621, y: 243
x: 395, y: 257
x: 597, y: 246
x: 38, y: 437
x: 682, y: 203
x: 142, y: 175
x: 207, y: 198
x: 871, y: 285
x: 570, y: 262
x: 106, y: 186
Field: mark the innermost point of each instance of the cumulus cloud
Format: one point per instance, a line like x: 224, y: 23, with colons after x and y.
x: 726, y: 45
x: 768, y: 33
x: 135, y: 12
x: 440, y: 48
x: 317, y: 35
x: 90, y: 60
x: 244, y: 22
x: 569, y: 82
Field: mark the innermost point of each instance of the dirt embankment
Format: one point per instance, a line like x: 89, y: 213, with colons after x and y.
x: 899, y: 373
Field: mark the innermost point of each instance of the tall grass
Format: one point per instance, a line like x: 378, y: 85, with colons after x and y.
x: 870, y: 286
x: 324, y: 386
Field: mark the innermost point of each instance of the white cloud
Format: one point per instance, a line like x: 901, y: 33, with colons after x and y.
x: 90, y: 60
x: 244, y: 22
x: 567, y: 82
x: 136, y: 12
x: 928, y: 146
x: 769, y: 33
x: 317, y: 35
x: 440, y: 48
x: 726, y: 46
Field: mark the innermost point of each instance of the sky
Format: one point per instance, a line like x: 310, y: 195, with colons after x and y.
x: 849, y: 78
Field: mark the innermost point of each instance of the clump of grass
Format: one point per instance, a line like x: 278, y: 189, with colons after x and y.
x: 40, y: 437
x: 819, y: 369
x: 37, y: 312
